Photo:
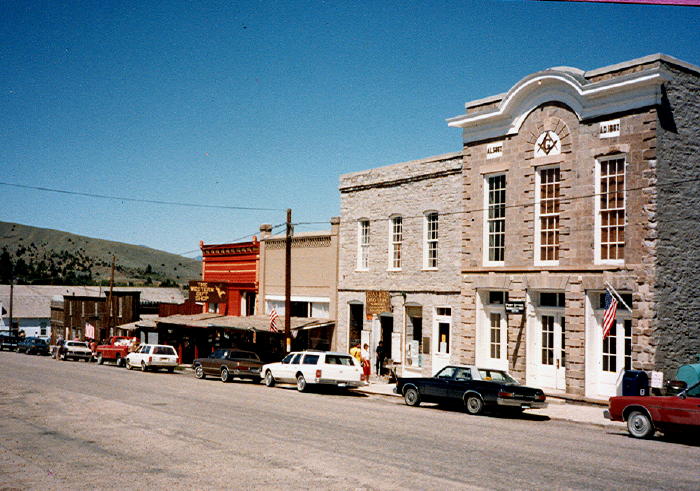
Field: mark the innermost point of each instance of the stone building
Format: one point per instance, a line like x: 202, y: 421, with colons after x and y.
x: 399, y: 268
x: 574, y: 181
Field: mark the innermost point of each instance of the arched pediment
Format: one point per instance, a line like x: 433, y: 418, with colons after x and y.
x: 504, y: 115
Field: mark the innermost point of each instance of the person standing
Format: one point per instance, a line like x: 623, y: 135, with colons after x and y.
x: 365, y: 362
x: 356, y: 353
x: 380, y: 357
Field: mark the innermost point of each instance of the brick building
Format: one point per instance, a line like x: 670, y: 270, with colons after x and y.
x: 574, y: 181
x: 399, y: 278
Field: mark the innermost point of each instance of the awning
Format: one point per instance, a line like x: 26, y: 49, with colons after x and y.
x: 258, y: 323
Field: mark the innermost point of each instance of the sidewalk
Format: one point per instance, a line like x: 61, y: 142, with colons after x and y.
x: 557, y: 409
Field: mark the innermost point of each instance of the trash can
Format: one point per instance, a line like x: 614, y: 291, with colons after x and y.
x: 635, y: 383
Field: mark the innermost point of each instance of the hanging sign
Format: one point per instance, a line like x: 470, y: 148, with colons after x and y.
x: 202, y: 291
x: 515, y: 307
x: 377, y: 302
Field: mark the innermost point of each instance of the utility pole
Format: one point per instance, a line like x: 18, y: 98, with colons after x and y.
x: 12, y: 294
x: 109, y: 299
x: 288, y: 282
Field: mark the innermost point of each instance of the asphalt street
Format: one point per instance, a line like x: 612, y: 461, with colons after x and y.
x: 77, y: 425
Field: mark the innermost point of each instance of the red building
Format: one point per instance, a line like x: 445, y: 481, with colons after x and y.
x: 229, y: 278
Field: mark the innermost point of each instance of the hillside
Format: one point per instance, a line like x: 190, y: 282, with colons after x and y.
x: 45, y: 256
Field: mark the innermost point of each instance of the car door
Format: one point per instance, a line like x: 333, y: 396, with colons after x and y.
x: 141, y: 354
x: 212, y: 363
x: 436, y: 387
x: 680, y: 410
x: 459, y: 384
x: 287, y: 371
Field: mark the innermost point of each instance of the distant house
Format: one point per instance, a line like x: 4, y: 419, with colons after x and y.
x: 32, y: 305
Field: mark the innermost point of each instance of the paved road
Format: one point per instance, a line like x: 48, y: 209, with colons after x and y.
x: 74, y: 425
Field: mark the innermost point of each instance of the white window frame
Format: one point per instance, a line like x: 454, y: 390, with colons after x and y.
x: 486, y: 250
x: 428, y: 240
x: 538, y: 224
x: 363, y: 242
x: 395, y: 243
x: 597, y: 209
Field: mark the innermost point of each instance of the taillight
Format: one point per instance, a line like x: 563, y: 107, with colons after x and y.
x: 505, y: 394
x: 150, y: 359
x: 318, y: 373
x: 541, y: 397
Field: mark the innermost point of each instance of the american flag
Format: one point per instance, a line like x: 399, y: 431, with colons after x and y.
x: 610, y: 306
x: 273, y: 320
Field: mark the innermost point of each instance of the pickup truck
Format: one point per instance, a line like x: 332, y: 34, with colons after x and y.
x: 116, y: 350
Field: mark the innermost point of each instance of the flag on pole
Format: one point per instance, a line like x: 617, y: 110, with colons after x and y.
x: 89, y: 330
x: 610, y: 306
x: 273, y: 320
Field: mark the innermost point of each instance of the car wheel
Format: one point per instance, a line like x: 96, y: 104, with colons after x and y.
x: 301, y: 383
x: 143, y: 366
x: 120, y: 361
x: 129, y: 366
x: 171, y: 369
x: 100, y: 359
x: 64, y: 357
x: 269, y: 379
x: 411, y: 396
x: 199, y: 372
x: 640, y: 425
x: 225, y: 377
x: 474, y: 404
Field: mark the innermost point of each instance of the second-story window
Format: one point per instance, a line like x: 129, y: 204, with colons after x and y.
x: 610, y: 219
x: 431, y: 240
x: 495, y: 218
x: 363, y: 245
x: 396, y: 237
x: 548, y: 200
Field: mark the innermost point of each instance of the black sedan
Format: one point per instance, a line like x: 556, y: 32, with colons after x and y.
x: 33, y: 345
x: 476, y: 388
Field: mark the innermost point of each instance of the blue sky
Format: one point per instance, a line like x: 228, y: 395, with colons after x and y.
x: 264, y: 104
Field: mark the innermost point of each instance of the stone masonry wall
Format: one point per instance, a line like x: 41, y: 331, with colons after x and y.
x: 677, y: 327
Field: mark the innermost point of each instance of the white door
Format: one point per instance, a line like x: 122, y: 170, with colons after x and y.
x: 548, y: 352
x: 492, y: 338
x: 606, y: 360
x: 442, y: 328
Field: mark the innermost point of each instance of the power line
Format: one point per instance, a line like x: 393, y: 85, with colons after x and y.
x: 138, y: 200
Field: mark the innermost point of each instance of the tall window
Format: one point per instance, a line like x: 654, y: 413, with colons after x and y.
x: 611, y: 210
x: 548, y: 198
x: 363, y: 245
x: 495, y: 218
x: 396, y: 240
x: 431, y: 240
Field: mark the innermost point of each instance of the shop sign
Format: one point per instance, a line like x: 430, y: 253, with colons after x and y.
x: 377, y: 302
x: 202, y: 291
x: 515, y: 307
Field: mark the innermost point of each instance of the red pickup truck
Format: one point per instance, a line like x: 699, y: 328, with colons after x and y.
x: 116, y: 350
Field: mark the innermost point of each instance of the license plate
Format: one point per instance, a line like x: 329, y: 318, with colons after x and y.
x: 342, y: 385
x: 525, y: 406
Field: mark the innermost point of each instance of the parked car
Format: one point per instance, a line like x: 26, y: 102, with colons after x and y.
x: 477, y: 388
x: 305, y: 368
x: 116, y: 350
x: 229, y: 364
x: 33, y: 345
x: 645, y: 415
x: 152, y: 357
x: 8, y: 342
x: 76, y: 350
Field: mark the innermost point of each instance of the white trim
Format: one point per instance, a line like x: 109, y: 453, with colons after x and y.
x: 586, y: 99
x: 483, y: 332
x: 390, y: 249
x: 426, y: 267
x: 296, y: 298
x: 360, y: 255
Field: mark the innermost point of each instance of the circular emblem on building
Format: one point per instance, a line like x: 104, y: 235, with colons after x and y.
x: 548, y: 143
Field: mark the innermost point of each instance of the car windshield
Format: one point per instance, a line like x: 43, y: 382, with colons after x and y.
x: 496, y: 376
x: 163, y: 350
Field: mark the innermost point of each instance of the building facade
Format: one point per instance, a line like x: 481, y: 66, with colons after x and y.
x: 399, y: 268
x: 314, y: 281
x: 575, y: 182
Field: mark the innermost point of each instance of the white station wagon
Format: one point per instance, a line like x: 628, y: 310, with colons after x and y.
x: 305, y: 368
x: 152, y: 356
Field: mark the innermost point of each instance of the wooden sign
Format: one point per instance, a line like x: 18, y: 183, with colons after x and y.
x: 377, y: 302
x: 202, y: 291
